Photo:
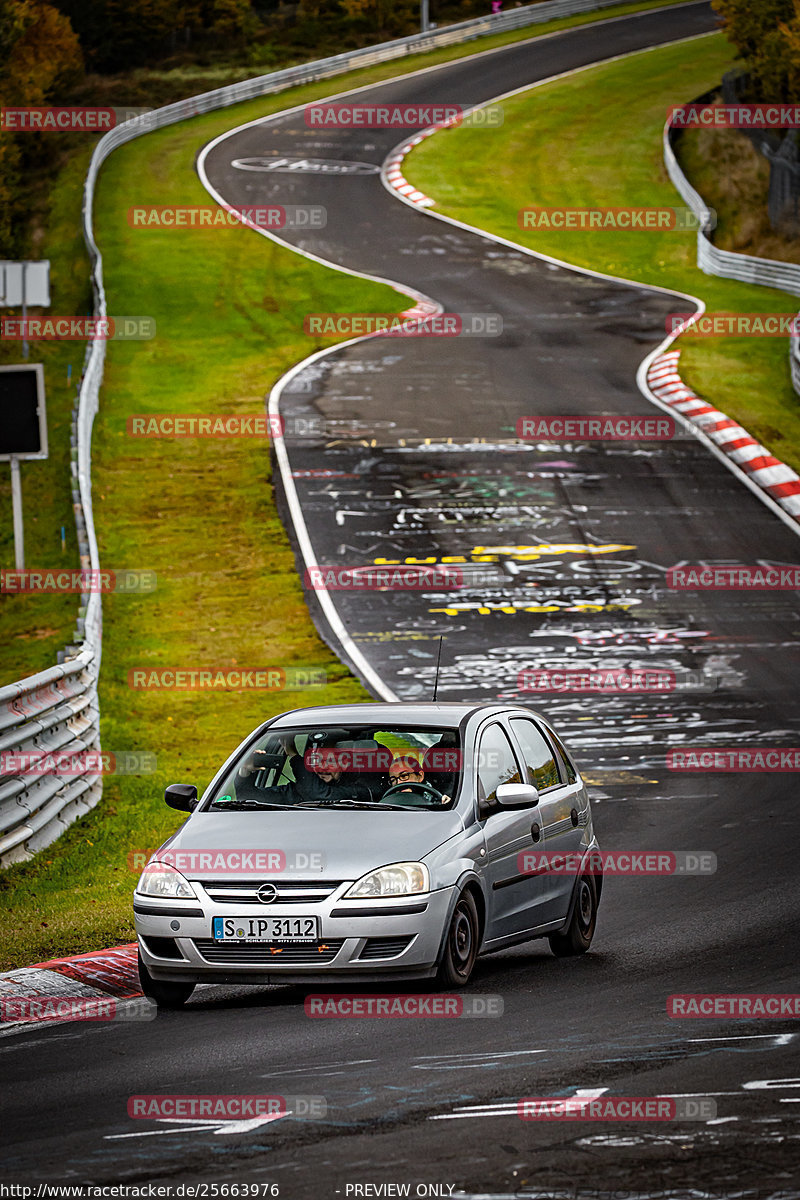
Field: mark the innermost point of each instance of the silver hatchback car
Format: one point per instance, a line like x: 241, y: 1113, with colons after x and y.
x: 371, y: 842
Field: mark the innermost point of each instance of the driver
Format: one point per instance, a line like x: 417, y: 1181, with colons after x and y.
x: 319, y: 777
x: 406, y: 769
x: 332, y: 781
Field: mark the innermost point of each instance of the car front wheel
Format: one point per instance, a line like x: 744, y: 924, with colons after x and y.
x: 461, y: 945
x: 163, y: 992
x: 577, y: 937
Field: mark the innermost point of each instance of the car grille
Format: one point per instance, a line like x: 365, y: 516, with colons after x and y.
x: 302, y: 892
x: 240, y: 954
x: 384, y: 947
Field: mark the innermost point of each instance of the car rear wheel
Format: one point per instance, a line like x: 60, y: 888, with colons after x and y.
x: 163, y: 992
x: 461, y: 945
x: 577, y: 937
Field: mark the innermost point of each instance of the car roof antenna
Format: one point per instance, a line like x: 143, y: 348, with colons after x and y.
x: 438, y: 664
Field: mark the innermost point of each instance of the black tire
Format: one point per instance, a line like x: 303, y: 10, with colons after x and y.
x: 577, y: 937
x: 460, y: 947
x: 163, y: 992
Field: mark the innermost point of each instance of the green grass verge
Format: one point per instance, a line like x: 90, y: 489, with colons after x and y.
x: 229, y: 308
x: 34, y: 628
x: 595, y: 140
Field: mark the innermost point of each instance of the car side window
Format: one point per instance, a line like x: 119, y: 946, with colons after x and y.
x: 569, y: 766
x: 496, y: 764
x: 542, y: 769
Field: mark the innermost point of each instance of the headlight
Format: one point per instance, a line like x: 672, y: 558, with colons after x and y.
x: 159, y: 879
x: 400, y: 879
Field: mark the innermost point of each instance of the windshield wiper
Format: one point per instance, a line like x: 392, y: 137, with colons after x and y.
x: 237, y: 804
x: 357, y: 804
x: 409, y: 807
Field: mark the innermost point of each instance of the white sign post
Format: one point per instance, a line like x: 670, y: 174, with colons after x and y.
x: 24, y: 283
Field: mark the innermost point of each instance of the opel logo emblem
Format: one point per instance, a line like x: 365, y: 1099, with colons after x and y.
x: 267, y: 893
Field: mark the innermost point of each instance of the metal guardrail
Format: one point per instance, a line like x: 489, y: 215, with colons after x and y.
x: 56, y: 711
x: 746, y: 268
x: 58, y: 708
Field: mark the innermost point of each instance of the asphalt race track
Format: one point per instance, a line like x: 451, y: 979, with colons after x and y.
x: 564, y: 550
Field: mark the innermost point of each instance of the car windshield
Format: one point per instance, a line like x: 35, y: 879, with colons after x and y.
x: 336, y: 767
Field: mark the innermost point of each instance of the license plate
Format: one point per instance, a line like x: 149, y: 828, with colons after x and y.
x: 265, y: 929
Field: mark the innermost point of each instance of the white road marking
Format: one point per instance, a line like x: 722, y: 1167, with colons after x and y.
x: 482, y: 1054
x: 218, y: 1128
x: 781, y: 1039
x: 510, y: 1108
x: 773, y: 1083
x: 355, y: 1062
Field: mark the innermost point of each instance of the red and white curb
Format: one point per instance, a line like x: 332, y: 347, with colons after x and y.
x: 394, y: 177
x: 98, y: 975
x: 423, y: 308
x: 778, y: 480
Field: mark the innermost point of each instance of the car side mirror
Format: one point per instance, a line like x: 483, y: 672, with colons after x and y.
x: 182, y: 796
x: 517, y: 795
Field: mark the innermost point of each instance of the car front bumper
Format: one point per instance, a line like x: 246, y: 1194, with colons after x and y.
x: 368, y: 940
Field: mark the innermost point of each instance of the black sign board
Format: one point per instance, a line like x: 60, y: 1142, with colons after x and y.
x: 23, y: 422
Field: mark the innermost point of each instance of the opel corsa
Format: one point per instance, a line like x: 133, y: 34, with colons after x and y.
x: 370, y: 842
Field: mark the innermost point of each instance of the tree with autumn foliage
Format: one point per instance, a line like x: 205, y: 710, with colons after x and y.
x: 379, y: 18
x: 119, y: 34
x: 767, y: 37
x: 39, y: 57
